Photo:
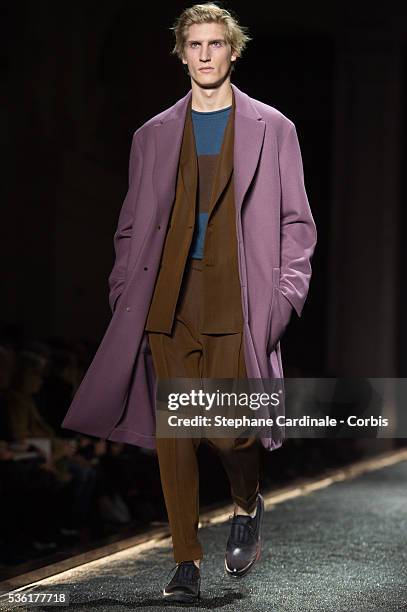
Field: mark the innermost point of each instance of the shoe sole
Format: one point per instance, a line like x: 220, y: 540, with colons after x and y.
x: 182, y: 597
x: 246, y: 570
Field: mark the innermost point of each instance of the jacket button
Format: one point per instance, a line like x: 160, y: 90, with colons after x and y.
x: 158, y: 226
x: 127, y: 308
x: 145, y: 268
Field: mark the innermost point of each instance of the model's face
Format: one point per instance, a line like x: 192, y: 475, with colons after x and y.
x: 207, y: 54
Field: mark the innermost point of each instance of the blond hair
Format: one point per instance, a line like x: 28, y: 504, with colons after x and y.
x: 235, y: 34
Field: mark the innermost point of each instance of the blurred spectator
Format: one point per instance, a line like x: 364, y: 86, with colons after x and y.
x: 7, y: 364
x: 57, y: 486
x: 25, y: 424
x: 59, y: 386
x: 22, y: 416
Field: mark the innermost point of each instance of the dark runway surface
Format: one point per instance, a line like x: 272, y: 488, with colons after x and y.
x: 340, y: 548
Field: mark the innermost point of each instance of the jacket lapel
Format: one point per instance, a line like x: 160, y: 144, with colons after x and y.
x: 188, y: 158
x: 225, y: 163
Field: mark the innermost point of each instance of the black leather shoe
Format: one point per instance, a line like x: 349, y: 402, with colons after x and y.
x: 243, y: 547
x: 185, y: 585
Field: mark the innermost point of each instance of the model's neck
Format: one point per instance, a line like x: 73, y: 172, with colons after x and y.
x: 206, y: 100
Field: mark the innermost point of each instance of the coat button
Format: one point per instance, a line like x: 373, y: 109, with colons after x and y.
x: 127, y: 308
x: 158, y: 226
x: 145, y: 268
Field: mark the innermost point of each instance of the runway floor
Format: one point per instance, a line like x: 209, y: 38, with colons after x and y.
x: 338, y: 548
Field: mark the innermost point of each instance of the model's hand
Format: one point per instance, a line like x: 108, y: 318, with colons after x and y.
x: 280, y: 318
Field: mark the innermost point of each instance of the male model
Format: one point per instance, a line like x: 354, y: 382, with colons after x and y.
x: 213, y: 250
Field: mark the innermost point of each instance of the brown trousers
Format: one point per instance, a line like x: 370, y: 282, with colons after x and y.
x: 188, y: 354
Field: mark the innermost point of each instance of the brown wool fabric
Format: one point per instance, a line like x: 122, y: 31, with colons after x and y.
x: 222, y: 311
x: 187, y: 353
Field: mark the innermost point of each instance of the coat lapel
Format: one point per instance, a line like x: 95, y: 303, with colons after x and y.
x: 249, y: 136
x: 249, y: 129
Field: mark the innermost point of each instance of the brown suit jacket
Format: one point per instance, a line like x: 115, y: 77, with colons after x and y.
x: 221, y: 284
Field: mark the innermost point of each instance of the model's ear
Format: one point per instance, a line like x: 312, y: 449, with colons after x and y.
x: 234, y: 56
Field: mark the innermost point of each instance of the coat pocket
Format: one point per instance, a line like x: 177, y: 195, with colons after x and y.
x: 115, y: 294
x: 280, y: 318
x: 276, y: 277
x: 275, y: 283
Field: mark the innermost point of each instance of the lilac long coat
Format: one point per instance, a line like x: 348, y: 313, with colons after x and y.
x: 276, y: 240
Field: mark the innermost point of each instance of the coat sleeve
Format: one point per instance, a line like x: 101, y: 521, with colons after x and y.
x: 297, y: 230
x: 123, y: 233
